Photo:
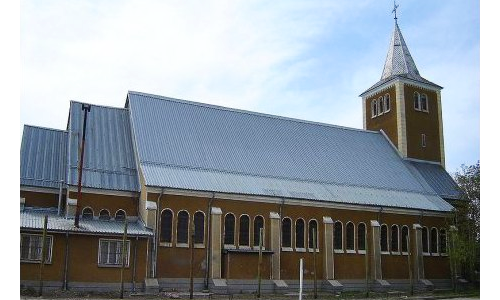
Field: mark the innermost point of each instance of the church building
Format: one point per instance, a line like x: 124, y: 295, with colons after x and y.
x: 202, y: 188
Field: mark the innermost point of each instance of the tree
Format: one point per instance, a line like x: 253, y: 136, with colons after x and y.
x: 464, y: 242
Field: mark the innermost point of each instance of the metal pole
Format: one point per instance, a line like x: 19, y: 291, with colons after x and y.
x: 124, y: 249
x: 314, y: 261
x: 367, y: 270
x: 301, y: 277
x: 259, y: 275
x: 191, y: 284
x: 42, y: 259
x: 86, y: 109
x: 409, y: 263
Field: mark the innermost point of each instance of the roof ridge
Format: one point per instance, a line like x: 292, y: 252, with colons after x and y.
x: 46, y: 128
x: 248, y: 112
x: 98, y: 105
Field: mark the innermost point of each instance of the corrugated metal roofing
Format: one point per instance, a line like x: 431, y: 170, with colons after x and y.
x: 43, y: 157
x: 33, y: 219
x: 437, y: 177
x: 190, y: 145
x: 109, y: 161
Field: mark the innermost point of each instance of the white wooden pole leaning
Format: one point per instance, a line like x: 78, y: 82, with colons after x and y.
x: 301, y: 276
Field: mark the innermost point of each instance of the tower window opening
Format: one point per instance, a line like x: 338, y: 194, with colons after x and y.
x: 380, y: 105
x: 424, y: 140
x: 387, y: 103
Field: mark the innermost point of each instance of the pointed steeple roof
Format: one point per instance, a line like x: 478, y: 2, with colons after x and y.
x: 399, y: 63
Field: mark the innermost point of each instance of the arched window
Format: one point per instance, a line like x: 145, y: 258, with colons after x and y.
x: 384, y: 241
x: 394, y: 238
x: 387, y: 103
x: 258, y: 223
x: 313, y: 227
x: 229, y: 229
x: 416, y: 101
x: 425, y: 240
x: 120, y: 215
x: 380, y: 105
x: 361, y: 236
x: 338, y: 242
x: 104, y: 215
x: 166, y: 226
x: 434, y: 240
x: 404, y: 237
x: 199, y: 227
x: 442, y: 241
x: 286, y: 233
x: 423, y: 102
x: 244, y: 239
x: 374, y: 108
x: 183, y: 227
x: 87, y: 213
x: 299, y: 234
x: 349, y: 232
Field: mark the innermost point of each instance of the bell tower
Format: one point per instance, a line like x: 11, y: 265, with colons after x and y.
x: 406, y: 106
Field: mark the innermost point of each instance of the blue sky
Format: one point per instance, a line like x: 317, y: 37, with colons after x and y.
x: 302, y: 59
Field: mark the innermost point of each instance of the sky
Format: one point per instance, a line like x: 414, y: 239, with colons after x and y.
x: 302, y: 59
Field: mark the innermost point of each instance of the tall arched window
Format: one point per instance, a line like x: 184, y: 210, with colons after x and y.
x: 361, y: 236
x: 229, y: 229
x: 286, y: 233
x: 416, y: 101
x: 423, y: 102
x: 425, y: 240
x: 166, y: 226
x: 338, y: 239
x: 404, y: 237
x: 244, y: 239
x: 374, y: 108
x: 434, y: 240
x: 104, y: 215
x: 394, y: 238
x: 384, y: 241
x: 442, y: 241
x: 313, y: 227
x: 199, y: 227
x: 87, y: 213
x: 182, y: 227
x: 387, y: 103
x: 380, y: 105
x: 120, y: 215
x: 299, y: 234
x: 349, y: 232
x: 258, y: 223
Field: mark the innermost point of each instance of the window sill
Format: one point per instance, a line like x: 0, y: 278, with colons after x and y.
x: 182, y: 245
x: 385, y: 252
x: 350, y: 251
x: 244, y: 247
x: 300, y: 249
x: 338, y: 251
x: 165, y: 244
x: 111, y: 266
x: 257, y: 247
x: 361, y: 251
x: 434, y: 254
x: 286, y: 249
x: 404, y: 253
x: 229, y: 246
x: 199, y: 246
x: 35, y: 262
x: 444, y: 254
x: 426, y: 254
x: 312, y: 250
x: 395, y: 253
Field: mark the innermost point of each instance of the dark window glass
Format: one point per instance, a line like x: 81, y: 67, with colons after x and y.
x: 349, y: 231
x: 258, y: 223
x: 442, y: 241
x: 394, y: 238
x: 199, y: 227
x: 286, y: 235
x: 104, y: 215
x: 299, y: 234
x: 244, y: 231
x: 313, y: 227
x: 166, y: 226
x: 425, y: 240
x: 87, y: 213
x: 120, y: 215
x: 387, y: 103
x: 416, y: 101
x: 182, y: 227
x: 374, y: 108
x: 337, y: 236
x: 434, y: 240
x: 423, y: 102
x: 383, y: 238
x: 229, y: 229
x: 404, y: 236
x: 380, y: 106
x: 361, y: 236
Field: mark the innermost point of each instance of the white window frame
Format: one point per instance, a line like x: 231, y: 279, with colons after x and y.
x: 317, y: 236
x: 200, y: 245
x: 252, y: 237
x: 398, y: 251
x: 437, y: 242
x: 183, y: 245
x: 287, y: 249
x: 353, y: 237
x: 87, y: 207
x: 387, y: 242
x: 424, y: 140
x: 109, y: 215
x: 48, y: 257
x: 229, y: 246
x: 362, y: 251
x: 428, y: 243
x: 404, y: 241
x: 380, y: 106
x: 116, y: 264
x: 167, y: 244
x: 426, y: 103
x: 124, y: 213
x: 300, y: 249
x: 387, y: 103
x: 374, y: 108
x: 343, y: 237
x: 419, y: 107
x: 250, y: 232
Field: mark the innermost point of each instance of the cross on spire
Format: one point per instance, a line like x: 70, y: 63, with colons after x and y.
x: 395, y: 10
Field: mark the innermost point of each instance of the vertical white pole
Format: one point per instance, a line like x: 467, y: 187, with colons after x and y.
x: 301, y: 276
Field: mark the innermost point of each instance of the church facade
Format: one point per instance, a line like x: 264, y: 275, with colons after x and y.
x: 211, y: 191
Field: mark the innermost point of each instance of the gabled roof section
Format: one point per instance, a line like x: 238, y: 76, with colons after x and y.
x: 399, y: 63
x: 43, y: 157
x: 195, y: 146
x: 109, y: 161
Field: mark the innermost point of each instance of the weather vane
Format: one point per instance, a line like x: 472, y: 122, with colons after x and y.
x: 394, y: 10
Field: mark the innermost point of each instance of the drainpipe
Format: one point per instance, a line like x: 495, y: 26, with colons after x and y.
x: 209, y: 240
x: 61, y: 171
x: 59, y: 204
x: 135, y: 262
x: 66, y: 261
x: 157, y: 236
x: 379, y: 214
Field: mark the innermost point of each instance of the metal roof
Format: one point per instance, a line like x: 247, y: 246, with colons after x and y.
x: 109, y: 161
x: 33, y: 219
x: 43, y: 157
x: 189, y: 145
